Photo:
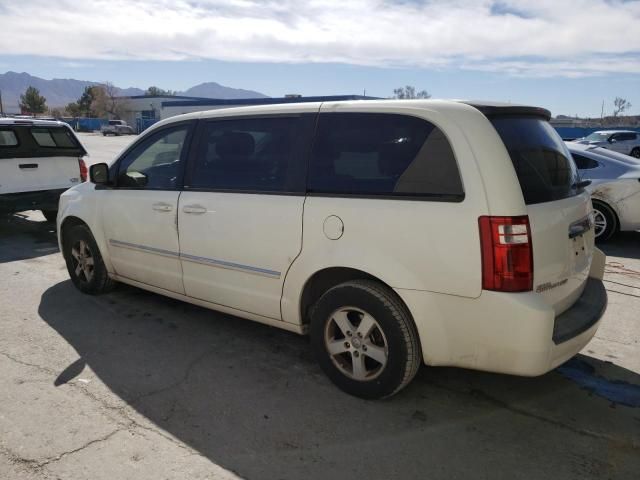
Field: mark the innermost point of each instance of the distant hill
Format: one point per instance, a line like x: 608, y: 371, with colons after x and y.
x: 215, y: 90
x: 61, y: 91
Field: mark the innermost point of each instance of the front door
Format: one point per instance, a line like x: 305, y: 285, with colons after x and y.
x: 240, y: 215
x: 140, y: 213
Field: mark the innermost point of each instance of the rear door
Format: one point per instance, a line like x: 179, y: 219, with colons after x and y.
x: 36, y: 158
x: 240, y: 214
x: 559, y: 211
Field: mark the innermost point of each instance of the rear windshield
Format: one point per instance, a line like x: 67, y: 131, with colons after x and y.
x: 541, y: 159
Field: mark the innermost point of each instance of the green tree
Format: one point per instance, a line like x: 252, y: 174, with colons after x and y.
x: 32, y: 102
x: 73, y: 109
x: 85, y: 101
x: 409, y: 92
x: 158, y: 92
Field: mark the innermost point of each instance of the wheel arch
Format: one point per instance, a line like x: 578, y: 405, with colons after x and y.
x: 68, y: 223
x: 326, y: 278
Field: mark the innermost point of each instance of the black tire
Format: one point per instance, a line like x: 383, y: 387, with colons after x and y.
x: 604, y: 213
x: 97, y: 281
x: 50, y: 215
x: 395, y: 330
x: 635, y: 152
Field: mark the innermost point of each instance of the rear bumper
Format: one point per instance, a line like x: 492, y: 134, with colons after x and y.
x: 40, y: 200
x: 514, y: 333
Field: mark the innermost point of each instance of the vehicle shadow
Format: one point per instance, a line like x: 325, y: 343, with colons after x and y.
x: 624, y: 244
x: 26, y: 235
x: 252, y: 400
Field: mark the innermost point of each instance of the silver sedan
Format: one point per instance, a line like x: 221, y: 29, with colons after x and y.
x: 615, y: 188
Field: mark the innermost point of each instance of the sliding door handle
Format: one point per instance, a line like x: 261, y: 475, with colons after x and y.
x: 194, y: 209
x: 162, y: 207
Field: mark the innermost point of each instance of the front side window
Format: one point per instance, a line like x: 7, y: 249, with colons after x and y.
x: 8, y: 138
x: 155, y: 163
x: 377, y: 154
x: 251, y: 155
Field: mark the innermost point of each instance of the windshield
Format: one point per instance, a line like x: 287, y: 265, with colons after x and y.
x: 542, y: 162
x: 597, y: 137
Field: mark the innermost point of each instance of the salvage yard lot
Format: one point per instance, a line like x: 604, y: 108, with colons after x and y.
x: 136, y: 385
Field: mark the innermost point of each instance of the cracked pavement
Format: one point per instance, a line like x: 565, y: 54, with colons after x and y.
x: 132, y: 385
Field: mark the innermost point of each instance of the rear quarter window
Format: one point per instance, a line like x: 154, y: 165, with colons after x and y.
x: 542, y: 161
x: 378, y: 154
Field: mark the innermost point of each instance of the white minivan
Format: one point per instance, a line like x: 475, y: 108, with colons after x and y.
x: 393, y: 232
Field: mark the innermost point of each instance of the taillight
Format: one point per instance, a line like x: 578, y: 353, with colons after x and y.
x: 83, y: 169
x: 507, y: 255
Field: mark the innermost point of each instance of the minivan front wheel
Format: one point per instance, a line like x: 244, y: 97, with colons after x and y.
x: 364, y: 339
x: 606, y: 222
x: 84, y: 262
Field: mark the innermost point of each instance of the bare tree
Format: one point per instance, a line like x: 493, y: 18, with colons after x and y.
x: 409, y: 92
x: 620, y: 105
x: 114, y: 104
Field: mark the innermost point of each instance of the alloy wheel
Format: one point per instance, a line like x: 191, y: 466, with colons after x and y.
x: 600, y: 221
x: 83, y: 261
x: 356, y: 343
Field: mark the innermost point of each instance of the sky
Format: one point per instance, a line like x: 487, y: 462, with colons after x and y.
x: 568, y: 56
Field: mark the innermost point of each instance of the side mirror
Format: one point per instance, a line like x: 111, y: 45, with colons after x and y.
x: 611, y: 140
x: 99, y: 173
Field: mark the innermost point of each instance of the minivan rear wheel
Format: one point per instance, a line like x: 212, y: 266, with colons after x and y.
x: 635, y: 152
x: 84, y: 261
x: 364, y: 339
x: 606, y: 222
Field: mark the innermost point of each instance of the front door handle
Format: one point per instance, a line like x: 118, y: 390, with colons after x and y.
x: 162, y: 207
x: 194, y: 209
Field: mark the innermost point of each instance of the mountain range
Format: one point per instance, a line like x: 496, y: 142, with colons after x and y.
x: 61, y: 91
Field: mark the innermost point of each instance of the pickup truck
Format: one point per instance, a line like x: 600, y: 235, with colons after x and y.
x: 38, y: 161
x: 117, y: 127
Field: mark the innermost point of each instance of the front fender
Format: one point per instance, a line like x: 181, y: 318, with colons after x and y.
x: 83, y: 203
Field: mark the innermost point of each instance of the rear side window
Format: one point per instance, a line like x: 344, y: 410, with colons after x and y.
x: 252, y: 155
x: 8, y: 138
x: 59, y: 137
x: 541, y: 159
x: 374, y: 154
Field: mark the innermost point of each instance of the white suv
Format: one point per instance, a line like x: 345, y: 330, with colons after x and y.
x: 621, y: 141
x: 393, y: 232
x: 38, y: 161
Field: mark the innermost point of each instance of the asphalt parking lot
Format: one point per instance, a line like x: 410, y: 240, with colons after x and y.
x: 136, y: 385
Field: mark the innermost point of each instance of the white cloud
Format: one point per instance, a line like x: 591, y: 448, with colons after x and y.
x: 518, y: 37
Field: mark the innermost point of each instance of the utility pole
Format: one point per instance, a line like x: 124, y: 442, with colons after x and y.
x: 602, y: 112
x: 1, y: 109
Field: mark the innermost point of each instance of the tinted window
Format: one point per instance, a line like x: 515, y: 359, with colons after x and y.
x: 625, y: 136
x: 59, y: 137
x: 155, y: 163
x: 382, y: 154
x: 584, y: 163
x: 8, y: 138
x: 541, y: 159
x: 252, y: 154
